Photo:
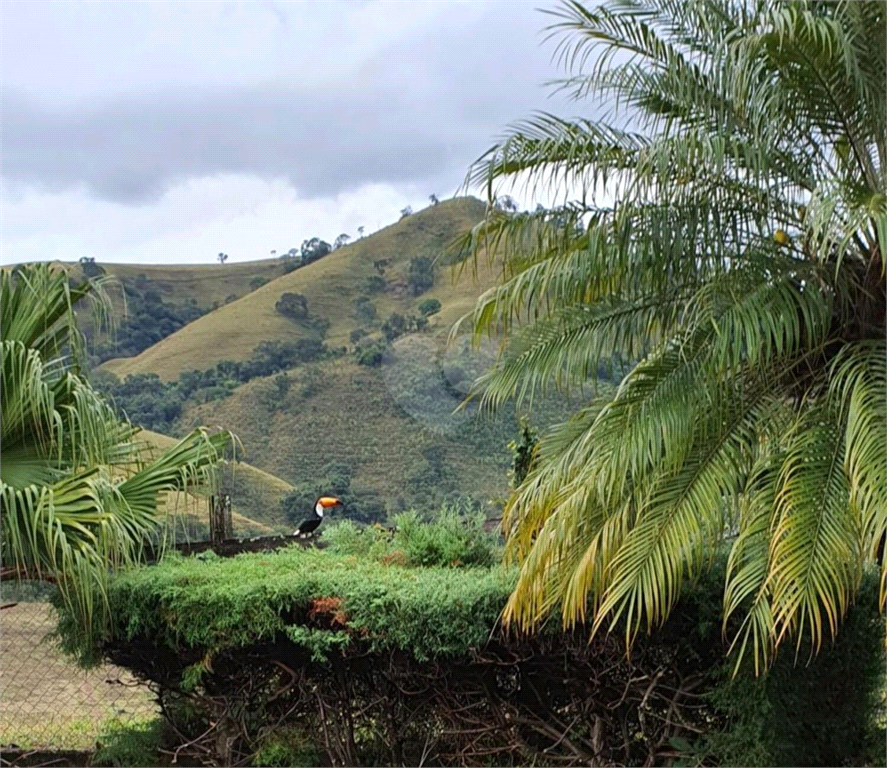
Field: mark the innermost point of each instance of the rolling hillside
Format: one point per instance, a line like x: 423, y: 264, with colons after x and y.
x: 205, y: 285
x: 386, y: 432
x: 331, y: 285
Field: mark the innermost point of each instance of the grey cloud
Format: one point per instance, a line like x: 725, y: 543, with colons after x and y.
x: 424, y: 110
x: 131, y: 151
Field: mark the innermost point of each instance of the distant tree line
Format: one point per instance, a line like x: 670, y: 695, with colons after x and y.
x: 311, y: 250
x: 149, y: 319
x: 155, y: 404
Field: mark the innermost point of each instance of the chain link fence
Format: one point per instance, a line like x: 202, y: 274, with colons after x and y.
x: 46, y: 700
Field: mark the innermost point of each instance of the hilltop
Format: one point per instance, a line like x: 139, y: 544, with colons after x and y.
x: 331, y: 286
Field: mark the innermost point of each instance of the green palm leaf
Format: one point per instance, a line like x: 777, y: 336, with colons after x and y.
x: 79, y: 495
x: 741, y: 270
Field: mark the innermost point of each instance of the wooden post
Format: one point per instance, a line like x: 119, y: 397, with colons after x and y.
x: 221, y: 524
x: 227, y: 519
x: 214, y: 531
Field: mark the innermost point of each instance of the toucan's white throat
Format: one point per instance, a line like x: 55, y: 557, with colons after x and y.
x: 319, y: 509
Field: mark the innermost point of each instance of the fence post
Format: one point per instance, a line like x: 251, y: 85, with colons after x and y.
x: 221, y: 525
x: 227, y: 519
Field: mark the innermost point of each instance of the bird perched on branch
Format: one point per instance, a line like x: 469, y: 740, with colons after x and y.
x: 308, y: 526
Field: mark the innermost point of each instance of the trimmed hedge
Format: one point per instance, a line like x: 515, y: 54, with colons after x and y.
x: 218, y: 604
x: 365, y: 661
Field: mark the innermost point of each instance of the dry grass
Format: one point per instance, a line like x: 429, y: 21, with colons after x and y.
x: 256, y: 495
x: 45, y: 699
x: 331, y: 284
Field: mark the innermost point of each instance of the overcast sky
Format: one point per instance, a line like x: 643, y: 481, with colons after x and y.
x: 166, y: 132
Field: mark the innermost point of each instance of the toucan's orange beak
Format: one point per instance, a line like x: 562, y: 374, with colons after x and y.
x: 329, y: 501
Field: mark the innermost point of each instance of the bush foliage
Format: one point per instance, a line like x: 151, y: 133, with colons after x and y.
x: 429, y: 306
x: 420, y: 276
x: 293, y: 305
x: 408, y: 665
x: 154, y: 404
x: 454, y: 538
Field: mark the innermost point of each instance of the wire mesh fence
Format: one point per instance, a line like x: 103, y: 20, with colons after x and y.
x: 46, y: 700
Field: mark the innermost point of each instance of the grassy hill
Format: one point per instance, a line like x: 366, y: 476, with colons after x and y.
x: 255, y: 494
x: 331, y: 286
x: 207, y: 285
x: 387, y: 432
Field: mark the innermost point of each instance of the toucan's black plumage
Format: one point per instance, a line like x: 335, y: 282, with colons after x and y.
x: 310, y: 525
x: 307, y: 526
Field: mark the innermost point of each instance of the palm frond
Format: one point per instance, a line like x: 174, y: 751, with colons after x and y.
x: 79, y: 495
x: 739, y: 265
x: 815, y: 549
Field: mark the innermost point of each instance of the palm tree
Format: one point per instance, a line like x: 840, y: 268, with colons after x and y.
x: 79, y: 493
x: 723, y: 232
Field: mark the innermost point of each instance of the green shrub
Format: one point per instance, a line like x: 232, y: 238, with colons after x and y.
x: 420, y: 276
x: 429, y: 307
x: 347, y: 538
x: 374, y: 284
x: 364, y: 309
x: 370, y: 352
x: 396, y: 325
x: 310, y: 383
x: 453, y: 538
x: 292, y: 305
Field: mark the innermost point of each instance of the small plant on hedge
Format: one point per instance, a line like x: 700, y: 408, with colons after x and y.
x: 348, y: 538
x: 454, y: 538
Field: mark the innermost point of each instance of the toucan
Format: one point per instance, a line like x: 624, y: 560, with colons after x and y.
x: 323, y: 503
